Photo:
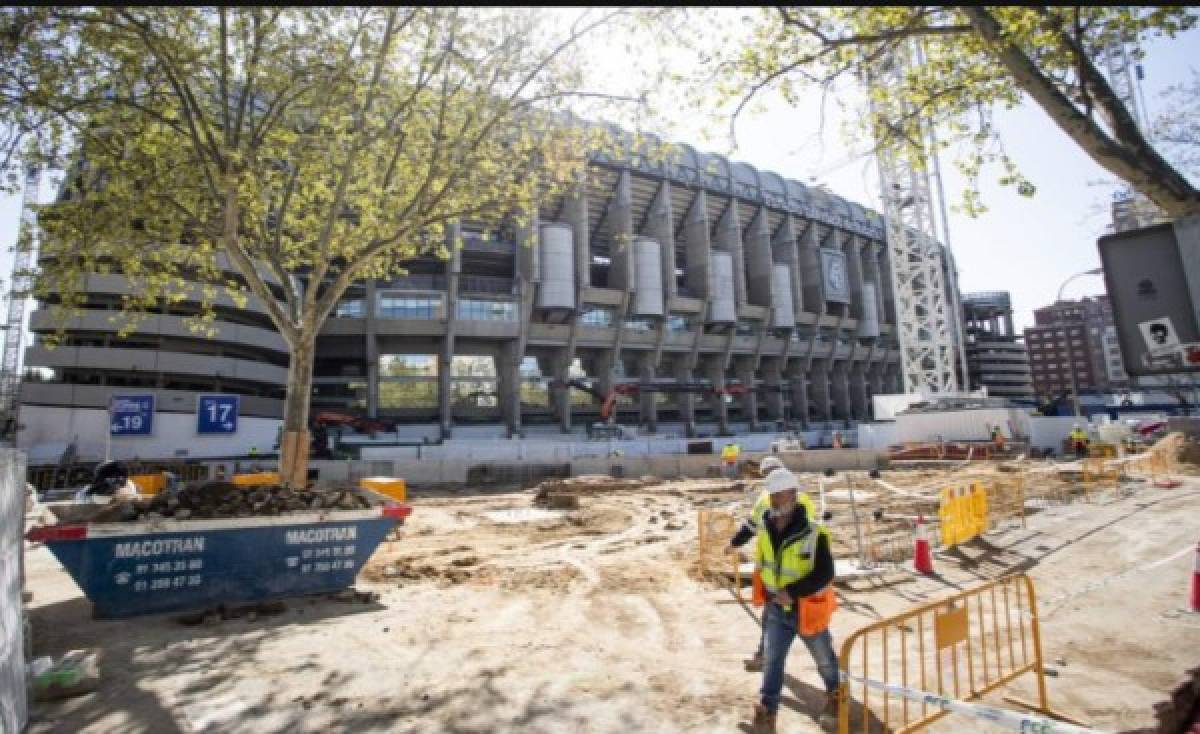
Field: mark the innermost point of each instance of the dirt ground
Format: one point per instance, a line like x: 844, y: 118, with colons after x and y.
x: 497, y: 615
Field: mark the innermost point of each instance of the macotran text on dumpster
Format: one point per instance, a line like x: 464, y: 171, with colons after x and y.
x: 159, y: 547
x: 321, y: 535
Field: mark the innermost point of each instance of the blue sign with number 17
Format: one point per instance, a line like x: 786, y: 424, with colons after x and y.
x: 217, y: 414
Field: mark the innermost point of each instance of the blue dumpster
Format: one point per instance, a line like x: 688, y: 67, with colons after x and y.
x: 127, y: 569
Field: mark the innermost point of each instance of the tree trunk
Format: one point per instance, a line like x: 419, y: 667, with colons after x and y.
x: 294, y: 443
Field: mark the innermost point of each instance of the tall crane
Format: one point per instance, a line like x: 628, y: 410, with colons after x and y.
x: 19, y: 286
x: 928, y: 327
x: 1131, y: 209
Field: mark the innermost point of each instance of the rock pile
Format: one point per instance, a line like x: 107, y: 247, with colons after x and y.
x: 225, y: 500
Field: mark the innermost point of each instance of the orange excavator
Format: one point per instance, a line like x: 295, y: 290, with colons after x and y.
x: 323, y: 421
x: 608, y: 400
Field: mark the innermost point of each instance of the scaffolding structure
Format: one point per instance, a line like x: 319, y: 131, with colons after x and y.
x: 20, y: 282
x: 921, y: 269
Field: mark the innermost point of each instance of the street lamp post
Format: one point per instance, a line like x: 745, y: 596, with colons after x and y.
x: 1070, y: 351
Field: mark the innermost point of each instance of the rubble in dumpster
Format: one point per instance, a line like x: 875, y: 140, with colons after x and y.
x: 224, y: 500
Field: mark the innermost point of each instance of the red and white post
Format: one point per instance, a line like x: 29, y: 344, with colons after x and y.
x: 1195, y: 602
x: 922, y: 553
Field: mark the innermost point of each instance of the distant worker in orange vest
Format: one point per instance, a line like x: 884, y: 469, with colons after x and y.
x: 997, y: 437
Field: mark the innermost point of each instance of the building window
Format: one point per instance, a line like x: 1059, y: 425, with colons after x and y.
x: 407, y: 365
x: 398, y: 394
x: 394, y: 305
x: 349, y: 308
x: 677, y: 324
x: 600, y: 316
x: 640, y: 324
x: 471, y: 309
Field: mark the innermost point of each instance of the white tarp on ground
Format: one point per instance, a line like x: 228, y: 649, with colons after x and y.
x: 13, y: 704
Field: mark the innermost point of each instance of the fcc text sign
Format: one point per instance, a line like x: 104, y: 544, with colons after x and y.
x: 216, y: 414
x: 131, y: 415
x: 1153, y: 279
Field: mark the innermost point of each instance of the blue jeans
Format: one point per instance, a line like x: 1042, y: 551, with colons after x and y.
x: 780, y: 628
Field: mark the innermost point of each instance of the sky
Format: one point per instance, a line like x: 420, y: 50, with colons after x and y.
x: 1027, y: 247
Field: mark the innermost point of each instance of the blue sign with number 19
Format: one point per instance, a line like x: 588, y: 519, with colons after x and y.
x: 217, y: 414
x: 131, y: 415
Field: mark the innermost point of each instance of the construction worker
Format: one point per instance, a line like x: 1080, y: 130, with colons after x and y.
x: 794, y: 555
x: 749, y: 529
x: 729, y: 459
x: 837, y: 440
x: 253, y: 452
x: 1079, y: 441
x: 997, y: 437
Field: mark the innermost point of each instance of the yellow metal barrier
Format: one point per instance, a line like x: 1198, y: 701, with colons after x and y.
x: 150, y: 484
x: 257, y: 479
x: 392, y: 487
x: 963, y: 646
x: 963, y: 513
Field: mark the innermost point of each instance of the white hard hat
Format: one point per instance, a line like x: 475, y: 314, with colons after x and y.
x: 781, y: 480
x: 769, y: 464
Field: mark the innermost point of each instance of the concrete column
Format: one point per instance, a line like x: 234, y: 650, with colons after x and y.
x: 839, y: 390
x: 699, y: 246
x: 786, y: 251
x: 772, y: 376
x: 759, y: 260
x: 372, y: 350
x: 620, y: 224
x: 660, y: 225
x: 854, y: 267
x: 858, y: 391
x: 818, y: 376
x: 647, y: 400
x: 575, y: 212
x: 799, y: 379
x: 729, y: 239
x: 446, y: 355
x: 810, y: 269
x: 686, y: 401
x: 875, y: 375
x: 560, y: 392
x: 745, y: 373
x: 715, y: 370
x: 508, y: 383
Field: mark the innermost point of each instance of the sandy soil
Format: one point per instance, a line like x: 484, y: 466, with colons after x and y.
x: 497, y: 615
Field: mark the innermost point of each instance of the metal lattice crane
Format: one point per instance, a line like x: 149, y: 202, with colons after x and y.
x: 927, y: 324
x: 19, y: 286
x: 1131, y: 209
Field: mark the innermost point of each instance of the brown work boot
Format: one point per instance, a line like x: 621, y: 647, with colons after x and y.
x: 829, y: 714
x: 753, y: 664
x: 764, y: 721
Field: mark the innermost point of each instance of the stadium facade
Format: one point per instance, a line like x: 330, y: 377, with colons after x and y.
x: 712, y: 296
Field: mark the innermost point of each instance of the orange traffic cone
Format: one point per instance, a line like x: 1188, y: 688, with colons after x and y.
x: 922, y: 555
x: 1196, y: 582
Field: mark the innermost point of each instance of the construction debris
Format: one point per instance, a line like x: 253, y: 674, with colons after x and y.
x: 225, y: 500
